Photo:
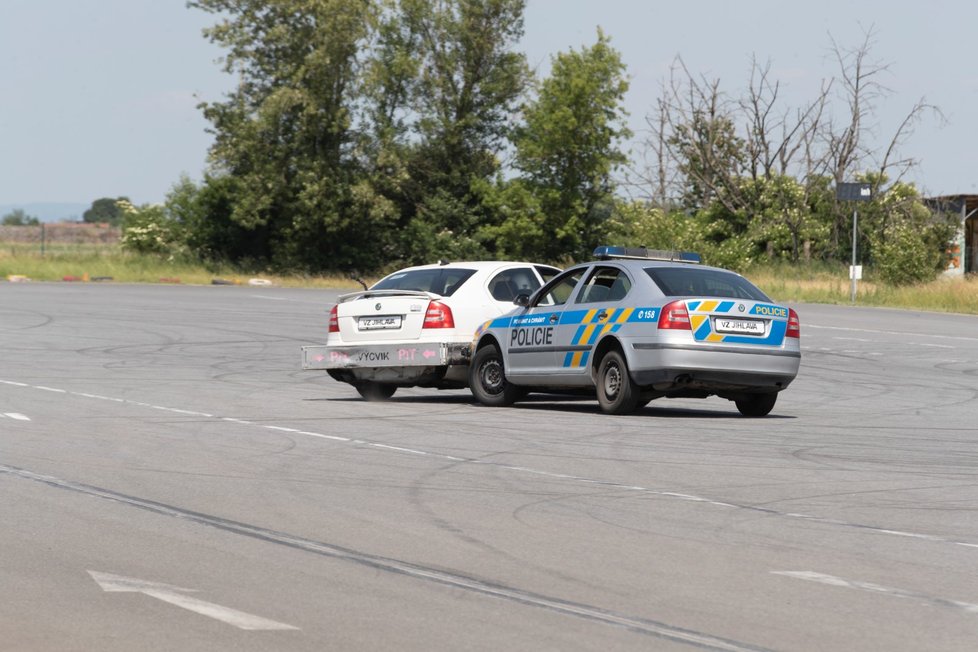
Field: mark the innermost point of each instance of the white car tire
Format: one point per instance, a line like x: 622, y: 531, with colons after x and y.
x: 372, y: 391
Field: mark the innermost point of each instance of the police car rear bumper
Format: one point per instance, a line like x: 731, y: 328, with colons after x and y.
x: 670, y: 366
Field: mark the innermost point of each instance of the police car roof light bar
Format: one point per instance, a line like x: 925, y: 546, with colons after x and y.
x: 641, y: 253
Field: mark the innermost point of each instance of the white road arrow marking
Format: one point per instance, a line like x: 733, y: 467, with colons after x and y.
x: 831, y: 580
x: 175, y: 596
x: 14, y: 415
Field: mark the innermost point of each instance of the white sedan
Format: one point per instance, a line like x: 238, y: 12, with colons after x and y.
x: 415, y: 327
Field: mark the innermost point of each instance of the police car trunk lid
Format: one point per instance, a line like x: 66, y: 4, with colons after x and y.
x: 737, y: 322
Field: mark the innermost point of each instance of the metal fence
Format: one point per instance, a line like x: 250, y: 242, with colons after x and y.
x: 59, y: 236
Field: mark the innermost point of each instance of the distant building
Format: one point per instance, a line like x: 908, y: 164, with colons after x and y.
x: 964, y: 250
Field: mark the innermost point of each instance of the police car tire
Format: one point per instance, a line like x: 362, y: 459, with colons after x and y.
x: 486, y: 363
x: 613, y: 374
x: 757, y: 405
x: 372, y: 391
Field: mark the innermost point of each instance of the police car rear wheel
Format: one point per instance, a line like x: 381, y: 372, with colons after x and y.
x: 757, y: 405
x: 617, y: 394
x: 487, y: 378
x: 372, y: 391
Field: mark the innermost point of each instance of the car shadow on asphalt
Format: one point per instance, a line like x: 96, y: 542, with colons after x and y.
x: 581, y: 404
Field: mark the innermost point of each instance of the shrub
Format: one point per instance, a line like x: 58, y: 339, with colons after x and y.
x: 146, y: 229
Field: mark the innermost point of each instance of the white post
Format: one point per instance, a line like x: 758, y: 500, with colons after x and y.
x: 852, y: 270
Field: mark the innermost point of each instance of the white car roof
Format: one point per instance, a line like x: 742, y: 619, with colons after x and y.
x: 477, y: 265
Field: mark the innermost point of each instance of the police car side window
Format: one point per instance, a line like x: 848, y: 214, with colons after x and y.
x: 605, y: 284
x: 558, y: 291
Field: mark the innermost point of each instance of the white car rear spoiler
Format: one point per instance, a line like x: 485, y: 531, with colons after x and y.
x: 366, y: 294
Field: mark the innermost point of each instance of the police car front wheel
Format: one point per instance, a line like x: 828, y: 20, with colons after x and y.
x: 617, y: 393
x: 487, y: 379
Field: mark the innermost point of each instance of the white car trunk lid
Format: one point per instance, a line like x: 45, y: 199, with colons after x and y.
x: 382, y: 316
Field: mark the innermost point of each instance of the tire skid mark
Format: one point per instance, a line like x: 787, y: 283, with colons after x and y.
x: 607, y: 484
x: 431, y: 574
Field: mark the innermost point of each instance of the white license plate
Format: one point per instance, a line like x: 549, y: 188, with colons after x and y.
x: 741, y: 326
x: 382, y: 322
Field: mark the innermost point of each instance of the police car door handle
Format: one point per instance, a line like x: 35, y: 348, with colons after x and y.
x: 553, y: 318
x: 602, y: 315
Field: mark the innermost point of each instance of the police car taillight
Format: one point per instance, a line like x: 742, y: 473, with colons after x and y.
x: 334, y: 322
x: 675, y: 316
x: 438, y: 316
x: 794, y: 324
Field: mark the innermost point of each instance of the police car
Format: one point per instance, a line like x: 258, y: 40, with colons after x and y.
x: 635, y: 325
x: 414, y: 327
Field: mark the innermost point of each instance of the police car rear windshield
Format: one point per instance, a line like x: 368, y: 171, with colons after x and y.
x: 700, y: 282
x: 443, y: 281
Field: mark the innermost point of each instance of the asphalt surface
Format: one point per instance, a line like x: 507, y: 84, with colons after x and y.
x: 171, y: 480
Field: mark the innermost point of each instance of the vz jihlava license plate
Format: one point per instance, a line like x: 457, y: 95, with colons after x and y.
x: 741, y: 326
x: 381, y: 322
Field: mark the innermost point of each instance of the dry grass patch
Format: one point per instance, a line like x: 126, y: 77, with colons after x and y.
x: 805, y: 285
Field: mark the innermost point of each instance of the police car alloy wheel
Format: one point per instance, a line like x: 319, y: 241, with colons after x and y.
x: 617, y: 393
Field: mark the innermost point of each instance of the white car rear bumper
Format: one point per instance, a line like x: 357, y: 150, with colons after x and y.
x: 371, y: 356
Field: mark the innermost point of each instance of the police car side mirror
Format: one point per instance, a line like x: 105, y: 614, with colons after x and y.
x: 522, y: 300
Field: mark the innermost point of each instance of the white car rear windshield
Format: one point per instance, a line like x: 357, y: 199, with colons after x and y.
x: 443, y: 281
x: 701, y: 282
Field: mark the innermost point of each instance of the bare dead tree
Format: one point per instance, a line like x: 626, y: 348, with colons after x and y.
x: 775, y: 138
x: 702, y: 140
x: 894, y: 166
x: 858, y: 77
x: 691, y: 141
x: 703, y: 146
x: 779, y: 143
x: 654, y: 179
x: 847, y: 146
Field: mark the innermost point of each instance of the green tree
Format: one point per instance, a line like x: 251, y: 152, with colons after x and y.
x: 105, y: 210
x: 900, y: 236
x: 452, y: 65
x: 18, y: 217
x: 286, y: 134
x: 568, y: 147
x: 642, y: 224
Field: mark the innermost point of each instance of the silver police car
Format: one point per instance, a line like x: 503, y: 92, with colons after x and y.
x: 636, y: 325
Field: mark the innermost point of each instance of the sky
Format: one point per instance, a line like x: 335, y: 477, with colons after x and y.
x: 99, y: 97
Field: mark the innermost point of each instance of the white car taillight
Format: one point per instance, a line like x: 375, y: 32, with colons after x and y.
x: 334, y: 322
x: 794, y: 324
x: 675, y: 316
x: 438, y: 316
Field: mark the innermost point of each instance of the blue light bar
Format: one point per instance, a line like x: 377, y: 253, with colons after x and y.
x: 641, y: 253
